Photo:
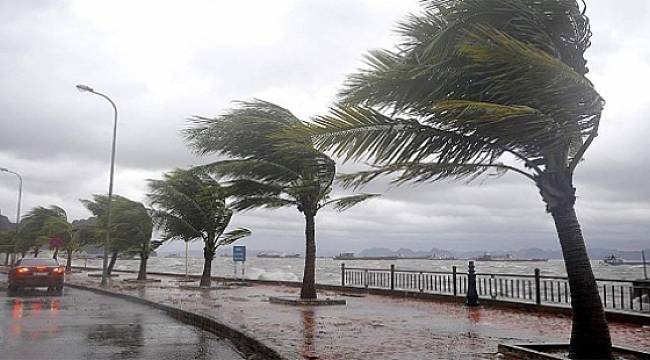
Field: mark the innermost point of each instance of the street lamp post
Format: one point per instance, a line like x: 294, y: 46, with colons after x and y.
x: 20, y: 195
x: 107, y: 242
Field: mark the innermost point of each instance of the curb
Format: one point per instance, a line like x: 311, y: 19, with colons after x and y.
x: 250, y: 347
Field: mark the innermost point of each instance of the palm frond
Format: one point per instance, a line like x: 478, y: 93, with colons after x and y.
x: 356, y: 132
x: 426, y: 172
x: 346, y: 202
x: 232, y: 236
x: 270, y: 202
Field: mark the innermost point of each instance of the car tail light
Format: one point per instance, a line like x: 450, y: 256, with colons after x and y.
x: 22, y: 270
x: 58, y: 270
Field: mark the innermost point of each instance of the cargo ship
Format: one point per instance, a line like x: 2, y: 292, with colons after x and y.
x: 350, y: 256
x: 276, y: 255
x: 508, y: 257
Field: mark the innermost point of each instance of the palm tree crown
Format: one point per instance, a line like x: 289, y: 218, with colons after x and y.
x: 271, y: 168
x: 189, y: 205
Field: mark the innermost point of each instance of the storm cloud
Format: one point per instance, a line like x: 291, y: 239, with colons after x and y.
x: 163, y: 62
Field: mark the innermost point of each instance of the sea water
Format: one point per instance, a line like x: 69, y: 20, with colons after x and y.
x: 328, y: 271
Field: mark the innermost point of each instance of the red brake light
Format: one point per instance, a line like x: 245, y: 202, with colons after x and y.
x: 59, y: 270
x: 22, y: 270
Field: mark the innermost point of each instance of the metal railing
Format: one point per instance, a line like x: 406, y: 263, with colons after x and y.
x: 537, y: 289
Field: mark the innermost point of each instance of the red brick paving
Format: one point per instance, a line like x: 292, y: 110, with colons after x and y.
x: 371, y: 327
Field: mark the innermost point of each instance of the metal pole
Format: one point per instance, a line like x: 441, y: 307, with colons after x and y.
x: 645, y: 268
x: 471, y: 298
x: 187, y: 275
x: 453, y: 269
x: 538, y: 293
x: 107, y: 242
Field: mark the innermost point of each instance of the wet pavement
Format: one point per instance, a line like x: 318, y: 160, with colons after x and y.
x: 83, y: 325
x: 369, y: 327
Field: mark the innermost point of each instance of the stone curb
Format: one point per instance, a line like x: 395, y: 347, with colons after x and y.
x: 252, y: 348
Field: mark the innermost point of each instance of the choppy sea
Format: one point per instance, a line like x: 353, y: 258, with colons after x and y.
x: 328, y: 271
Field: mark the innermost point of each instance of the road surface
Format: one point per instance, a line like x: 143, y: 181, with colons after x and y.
x: 83, y: 325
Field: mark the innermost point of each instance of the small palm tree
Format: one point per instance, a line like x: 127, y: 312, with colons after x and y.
x: 42, y: 225
x: 272, y: 167
x: 480, y: 87
x: 189, y: 205
x: 131, y: 228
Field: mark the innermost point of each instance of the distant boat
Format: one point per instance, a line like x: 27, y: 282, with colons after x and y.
x: 350, y: 256
x: 277, y: 255
x: 615, y: 260
x: 434, y: 257
x: 508, y: 257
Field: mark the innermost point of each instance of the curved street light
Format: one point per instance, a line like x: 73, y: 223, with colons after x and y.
x: 85, y: 88
x: 20, y: 195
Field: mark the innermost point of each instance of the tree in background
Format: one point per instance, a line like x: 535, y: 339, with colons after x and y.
x: 131, y: 227
x: 43, y: 226
x: 480, y: 87
x: 7, y: 243
x: 189, y: 205
x: 85, y: 232
x: 271, y: 167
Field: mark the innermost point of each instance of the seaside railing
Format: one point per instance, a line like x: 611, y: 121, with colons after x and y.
x: 627, y: 295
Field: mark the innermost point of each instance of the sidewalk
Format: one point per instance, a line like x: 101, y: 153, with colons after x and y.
x: 368, y: 327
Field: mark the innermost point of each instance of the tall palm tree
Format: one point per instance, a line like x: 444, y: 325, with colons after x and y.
x: 189, y: 205
x: 271, y: 168
x: 484, y: 87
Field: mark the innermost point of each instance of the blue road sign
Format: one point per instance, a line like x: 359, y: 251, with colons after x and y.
x: 239, y: 253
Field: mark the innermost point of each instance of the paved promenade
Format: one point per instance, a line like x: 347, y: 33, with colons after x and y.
x: 369, y: 327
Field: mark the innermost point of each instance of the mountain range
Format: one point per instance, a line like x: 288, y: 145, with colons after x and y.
x: 529, y: 253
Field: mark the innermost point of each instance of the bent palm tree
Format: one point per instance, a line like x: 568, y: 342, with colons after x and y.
x: 189, y: 205
x: 481, y: 87
x: 270, y: 169
x: 43, y: 224
x: 131, y: 228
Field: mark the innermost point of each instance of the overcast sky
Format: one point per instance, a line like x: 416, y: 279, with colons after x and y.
x: 163, y: 61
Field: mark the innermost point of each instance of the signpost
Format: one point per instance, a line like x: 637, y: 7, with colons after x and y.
x: 239, y: 254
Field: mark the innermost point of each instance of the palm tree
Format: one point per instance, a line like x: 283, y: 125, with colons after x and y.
x: 189, y: 205
x: 484, y: 87
x: 132, y: 221
x: 42, y: 225
x: 131, y: 228
x: 269, y: 169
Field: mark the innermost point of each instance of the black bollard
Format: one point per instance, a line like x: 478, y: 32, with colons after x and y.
x: 472, y: 294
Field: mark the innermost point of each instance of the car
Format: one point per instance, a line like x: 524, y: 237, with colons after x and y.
x: 37, y: 272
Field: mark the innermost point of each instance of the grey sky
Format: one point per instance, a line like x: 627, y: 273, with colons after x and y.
x: 162, y: 62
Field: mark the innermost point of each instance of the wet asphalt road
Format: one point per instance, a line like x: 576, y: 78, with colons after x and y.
x: 83, y: 325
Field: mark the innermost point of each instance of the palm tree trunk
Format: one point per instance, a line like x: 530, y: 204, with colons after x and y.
x: 208, y: 256
x: 36, y: 251
x: 68, y: 263
x: 56, y: 253
x: 142, y: 273
x: 308, y: 290
x: 590, y: 338
x: 111, y: 263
